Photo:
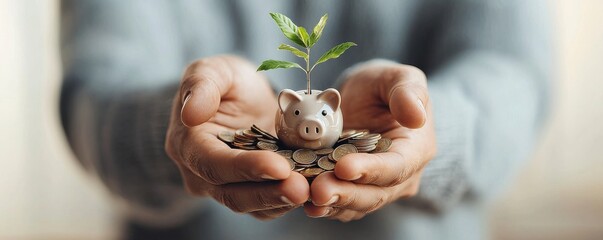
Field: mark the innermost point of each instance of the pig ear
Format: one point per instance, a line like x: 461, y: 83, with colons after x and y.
x: 287, y: 97
x: 331, y: 97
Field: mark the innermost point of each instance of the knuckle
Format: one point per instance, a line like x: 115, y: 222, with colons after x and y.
x: 169, y: 149
x: 261, y: 200
x: 205, y: 170
x: 376, y: 205
x: 194, y: 66
x: 406, y: 75
x: 191, y: 189
x: 334, y: 213
x: 193, y: 186
x: 209, y: 174
x: 358, y: 216
x: 397, y: 180
x: 411, y: 191
x: 229, y: 201
x: 346, y: 200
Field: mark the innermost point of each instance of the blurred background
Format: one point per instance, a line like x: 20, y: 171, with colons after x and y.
x: 45, y: 195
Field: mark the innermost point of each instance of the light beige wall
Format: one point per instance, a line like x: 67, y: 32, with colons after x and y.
x: 45, y: 195
x: 560, y: 194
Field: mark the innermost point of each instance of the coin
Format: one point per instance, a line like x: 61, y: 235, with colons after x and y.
x: 267, y: 140
x: 252, y: 147
x: 241, y: 137
x: 310, y: 163
x: 366, y: 149
x: 251, y: 134
x: 330, y: 156
x: 262, y: 132
x: 383, y: 145
x: 285, y: 153
x: 356, y: 134
x: 346, y: 133
x: 291, y: 163
x: 369, y: 136
x: 305, y: 165
x: 311, y: 172
x: 267, y: 146
x: 323, y: 151
x: 363, y: 142
x: 226, y: 136
x: 326, y: 164
x: 243, y: 143
x: 304, y: 156
x: 343, y: 150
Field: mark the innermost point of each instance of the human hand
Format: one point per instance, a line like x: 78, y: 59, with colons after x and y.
x: 226, y: 93
x: 391, y: 99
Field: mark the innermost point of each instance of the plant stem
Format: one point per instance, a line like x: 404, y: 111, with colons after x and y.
x: 308, y: 72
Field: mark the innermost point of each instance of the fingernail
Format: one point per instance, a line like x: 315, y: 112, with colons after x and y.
x: 356, y: 177
x: 286, y: 200
x: 330, y: 202
x: 186, y: 95
x: 267, y: 177
x: 186, y: 98
x: 422, y: 106
x: 327, y: 212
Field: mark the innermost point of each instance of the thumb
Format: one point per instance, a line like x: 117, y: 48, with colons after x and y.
x: 408, y: 98
x: 202, y: 87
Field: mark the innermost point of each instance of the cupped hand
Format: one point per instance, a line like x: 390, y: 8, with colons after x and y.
x: 391, y: 99
x: 226, y: 93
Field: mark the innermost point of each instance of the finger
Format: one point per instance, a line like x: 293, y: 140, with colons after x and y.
x: 382, y: 169
x: 345, y: 215
x: 252, y: 197
x: 328, y: 191
x: 314, y: 211
x: 202, y: 86
x: 218, y: 164
x: 405, y: 91
x: 272, y: 213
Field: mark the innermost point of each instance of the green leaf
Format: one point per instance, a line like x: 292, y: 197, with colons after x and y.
x: 274, y: 64
x: 317, y: 32
x: 294, y: 50
x: 303, y: 35
x: 335, y: 52
x: 288, y: 28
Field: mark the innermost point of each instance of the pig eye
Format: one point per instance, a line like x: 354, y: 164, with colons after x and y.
x: 296, y: 112
x: 324, y: 112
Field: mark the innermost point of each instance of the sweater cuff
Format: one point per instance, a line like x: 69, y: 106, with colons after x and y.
x: 444, y: 179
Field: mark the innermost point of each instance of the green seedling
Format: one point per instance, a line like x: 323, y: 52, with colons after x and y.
x: 300, y: 36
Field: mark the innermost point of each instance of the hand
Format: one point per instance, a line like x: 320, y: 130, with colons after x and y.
x: 390, y: 99
x: 226, y: 93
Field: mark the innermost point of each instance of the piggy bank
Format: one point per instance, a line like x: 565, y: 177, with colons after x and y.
x: 311, y: 121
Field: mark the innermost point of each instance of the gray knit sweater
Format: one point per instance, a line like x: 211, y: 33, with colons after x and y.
x: 487, y: 64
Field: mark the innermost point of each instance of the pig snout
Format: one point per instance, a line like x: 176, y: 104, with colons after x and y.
x: 311, y: 129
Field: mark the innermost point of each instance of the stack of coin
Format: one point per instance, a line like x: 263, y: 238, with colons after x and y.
x: 366, y: 143
x: 309, y: 163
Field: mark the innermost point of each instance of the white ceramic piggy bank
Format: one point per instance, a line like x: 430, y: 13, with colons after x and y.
x: 312, y: 121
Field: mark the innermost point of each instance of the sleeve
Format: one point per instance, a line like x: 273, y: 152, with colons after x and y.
x: 120, y: 75
x: 487, y: 65
x: 488, y: 77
